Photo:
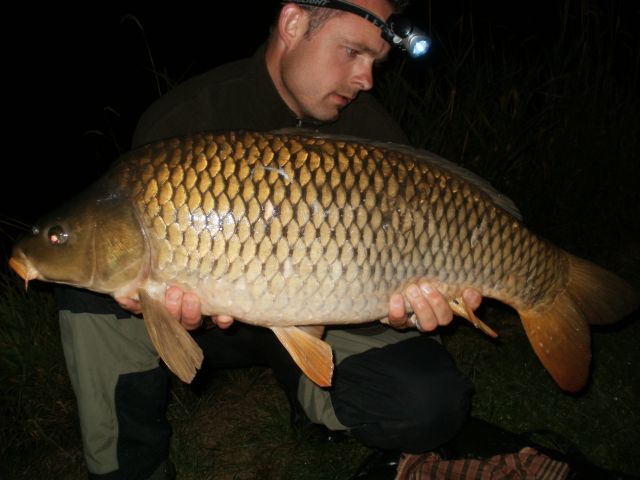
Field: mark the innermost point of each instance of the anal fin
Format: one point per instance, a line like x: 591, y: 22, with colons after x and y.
x: 174, y: 344
x: 461, y: 309
x: 312, y: 355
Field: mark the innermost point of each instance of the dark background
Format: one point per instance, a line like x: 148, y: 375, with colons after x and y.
x: 78, y: 78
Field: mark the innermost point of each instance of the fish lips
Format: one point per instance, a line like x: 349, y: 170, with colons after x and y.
x: 21, y: 265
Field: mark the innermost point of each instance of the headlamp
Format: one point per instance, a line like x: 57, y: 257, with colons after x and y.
x: 406, y: 36
x: 398, y: 31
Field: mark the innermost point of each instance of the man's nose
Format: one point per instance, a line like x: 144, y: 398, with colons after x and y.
x: 363, y: 77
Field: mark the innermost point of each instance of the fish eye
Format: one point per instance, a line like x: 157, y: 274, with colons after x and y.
x: 35, y: 231
x: 57, y: 235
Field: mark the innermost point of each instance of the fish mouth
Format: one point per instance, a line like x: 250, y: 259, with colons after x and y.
x: 23, y: 267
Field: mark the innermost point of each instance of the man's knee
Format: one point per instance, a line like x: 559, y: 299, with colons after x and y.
x: 435, y: 410
x: 408, y: 396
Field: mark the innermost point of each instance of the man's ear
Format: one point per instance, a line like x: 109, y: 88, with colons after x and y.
x: 292, y: 23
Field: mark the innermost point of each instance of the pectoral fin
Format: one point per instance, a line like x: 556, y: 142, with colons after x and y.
x: 174, y: 344
x: 461, y: 309
x: 312, y: 355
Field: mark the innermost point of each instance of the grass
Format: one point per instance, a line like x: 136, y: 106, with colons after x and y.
x: 550, y: 121
x: 38, y: 407
x: 514, y: 391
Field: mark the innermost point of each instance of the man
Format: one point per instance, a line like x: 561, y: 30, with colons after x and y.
x: 312, y: 74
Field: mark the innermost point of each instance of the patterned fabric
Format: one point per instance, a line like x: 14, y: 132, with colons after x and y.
x: 527, y: 464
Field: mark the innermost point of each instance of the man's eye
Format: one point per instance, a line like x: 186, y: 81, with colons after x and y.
x: 351, y: 52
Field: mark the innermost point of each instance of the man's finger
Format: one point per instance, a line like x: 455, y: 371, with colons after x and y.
x: 397, y: 314
x: 191, y: 314
x: 173, y: 302
x: 472, y: 298
x: 223, y: 321
x: 440, y: 312
x: 130, y: 305
x: 421, y: 302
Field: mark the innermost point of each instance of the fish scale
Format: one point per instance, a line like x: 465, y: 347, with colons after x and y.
x: 333, y: 223
x: 288, y: 229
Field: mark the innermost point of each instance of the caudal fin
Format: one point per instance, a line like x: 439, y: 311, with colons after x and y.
x: 559, y: 331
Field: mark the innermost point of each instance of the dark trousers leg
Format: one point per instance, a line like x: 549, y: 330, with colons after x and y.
x: 407, y: 396
x: 244, y: 345
x: 141, y: 398
x: 143, y: 429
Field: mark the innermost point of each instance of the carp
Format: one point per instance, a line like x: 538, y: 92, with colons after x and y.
x: 295, y: 231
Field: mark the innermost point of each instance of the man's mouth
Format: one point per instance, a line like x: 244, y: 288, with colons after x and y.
x: 344, y: 100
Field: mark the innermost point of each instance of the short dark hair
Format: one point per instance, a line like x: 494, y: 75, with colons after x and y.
x: 399, y: 5
x: 319, y: 15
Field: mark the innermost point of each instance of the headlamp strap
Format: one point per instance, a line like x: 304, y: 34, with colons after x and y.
x: 387, y: 32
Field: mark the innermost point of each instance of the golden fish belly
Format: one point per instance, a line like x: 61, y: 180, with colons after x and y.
x: 285, y: 229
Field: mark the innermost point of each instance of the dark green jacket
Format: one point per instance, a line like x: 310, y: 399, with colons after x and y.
x: 241, y: 95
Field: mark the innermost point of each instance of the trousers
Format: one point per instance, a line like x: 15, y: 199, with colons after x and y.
x: 391, y: 389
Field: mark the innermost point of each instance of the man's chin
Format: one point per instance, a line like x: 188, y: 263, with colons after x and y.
x: 324, y: 114
x: 329, y: 115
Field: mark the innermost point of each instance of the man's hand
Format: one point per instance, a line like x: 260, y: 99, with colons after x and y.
x: 183, y: 306
x: 430, y: 307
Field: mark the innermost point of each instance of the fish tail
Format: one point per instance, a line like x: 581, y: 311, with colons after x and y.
x: 559, y: 330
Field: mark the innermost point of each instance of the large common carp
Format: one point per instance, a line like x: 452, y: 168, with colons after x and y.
x: 287, y: 230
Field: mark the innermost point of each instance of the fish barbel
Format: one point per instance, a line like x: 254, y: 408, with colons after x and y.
x: 288, y: 230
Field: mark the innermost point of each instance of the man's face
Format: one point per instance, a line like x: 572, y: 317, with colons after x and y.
x: 324, y: 73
